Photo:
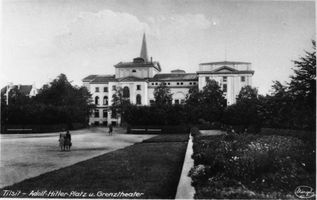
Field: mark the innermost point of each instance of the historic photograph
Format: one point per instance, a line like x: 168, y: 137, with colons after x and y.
x: 158, y: 99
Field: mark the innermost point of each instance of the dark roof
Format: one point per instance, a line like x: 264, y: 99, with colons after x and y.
x: 175, y: 77
x: 24, y: 89
x: 225, y: 63
x: 231, y: 72
x: 156, y: 65
x: 89, y: 78
x: 102, y: 79
x: 131, y: 79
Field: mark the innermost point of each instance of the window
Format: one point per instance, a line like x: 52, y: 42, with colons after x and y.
x: 96, y: 100
x: 224, y: 79
x: 113, y: 87
x: 126, y: 92
x: 176, y: 101
x: 181, y: 83
x: 164, y: 83
x: 138, y: 87
x: 105, y: 100
x: 168, y: 83
x: 152, y: 83
x: 155, y: 83
x: 96, y: 114
x: 105, y: 89
x: 242, y: 78
x: 97, y: 89
x: 190, y: 83
x: 207, y: 78
x: 182, y: 101
x: 177, y: 83
x: 133, y: 70
x: 224, y: 88
x: 194, y: 83
x: 138, y: 99
x: 105, y: 113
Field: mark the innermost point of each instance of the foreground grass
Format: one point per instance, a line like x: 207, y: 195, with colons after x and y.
x: 149, y: 168
x: 252, y: 166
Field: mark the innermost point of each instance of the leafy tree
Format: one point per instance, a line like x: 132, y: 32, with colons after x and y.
x: 162, y: 95
x: 119, y: 104
x: 244, y: 114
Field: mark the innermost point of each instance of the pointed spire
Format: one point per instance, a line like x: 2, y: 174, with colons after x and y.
x: 143, y: 53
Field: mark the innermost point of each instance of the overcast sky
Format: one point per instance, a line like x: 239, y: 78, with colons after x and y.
x: 43, y: 38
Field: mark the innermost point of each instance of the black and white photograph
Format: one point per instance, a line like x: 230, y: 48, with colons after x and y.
x: 158, y: 99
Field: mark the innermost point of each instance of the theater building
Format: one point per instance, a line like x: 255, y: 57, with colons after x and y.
x: 139, y: 78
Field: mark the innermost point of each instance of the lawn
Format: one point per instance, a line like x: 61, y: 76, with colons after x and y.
x: 152, y: 169
x: 252, y: 166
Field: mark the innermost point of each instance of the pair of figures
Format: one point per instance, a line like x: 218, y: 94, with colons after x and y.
x: 65, y: 141
x: 110, y: 129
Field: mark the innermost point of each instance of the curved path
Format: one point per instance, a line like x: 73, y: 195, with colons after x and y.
x: 28, y: 155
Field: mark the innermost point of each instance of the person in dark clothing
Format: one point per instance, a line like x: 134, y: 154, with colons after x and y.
x: 110, y: 129
x: 68, y: 140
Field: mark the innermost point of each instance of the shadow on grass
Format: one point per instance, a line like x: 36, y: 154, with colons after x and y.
x: 149, y: 168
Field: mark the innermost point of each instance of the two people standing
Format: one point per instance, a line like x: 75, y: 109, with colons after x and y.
x: 65, y: 141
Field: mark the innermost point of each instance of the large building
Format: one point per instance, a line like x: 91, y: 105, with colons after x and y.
x: 139, y: 78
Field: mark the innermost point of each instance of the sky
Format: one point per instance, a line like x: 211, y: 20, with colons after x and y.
x: 43, y: 38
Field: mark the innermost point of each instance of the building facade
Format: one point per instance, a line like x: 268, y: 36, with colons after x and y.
x: 139, y: 78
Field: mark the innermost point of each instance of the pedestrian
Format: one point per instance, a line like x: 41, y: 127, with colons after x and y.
x: 110, y: 129
x: 68, y: 139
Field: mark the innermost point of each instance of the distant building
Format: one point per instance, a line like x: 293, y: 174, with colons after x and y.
x: 139, y: 78
x: 27, y: 90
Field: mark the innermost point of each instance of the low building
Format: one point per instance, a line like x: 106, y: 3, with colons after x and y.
x: 139, y: 78
x: 27, y: 90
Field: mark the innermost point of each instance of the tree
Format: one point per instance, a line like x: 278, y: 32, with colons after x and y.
x: 119, y: 104
x: 162, y: 95
x: 244, y: 114
x: 207, y: 104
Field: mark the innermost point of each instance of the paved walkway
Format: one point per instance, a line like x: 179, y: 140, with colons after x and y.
x: 185, y: 190
x: 29, y: 155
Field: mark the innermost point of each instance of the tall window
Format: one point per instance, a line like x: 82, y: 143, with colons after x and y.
x: 207, y: 78
x: 105, y: 100
x: 176, y: 101
x: 126, y: 92
x: 224, y: 88
x: 96, y: 113
x: 97, y: 89
x: 105, y: 113
x: 105, y: 89
x: 224, y: 79
x: 138, y: 87
x: 138, y: 99
x: 113, y: 87
x: 96, y: 100
x: 242, y: 78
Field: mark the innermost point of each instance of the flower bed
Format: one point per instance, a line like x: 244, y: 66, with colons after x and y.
x: 251, y: 166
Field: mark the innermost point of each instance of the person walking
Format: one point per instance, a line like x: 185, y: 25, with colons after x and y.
x: 110, y: 129
x: 68, y: 139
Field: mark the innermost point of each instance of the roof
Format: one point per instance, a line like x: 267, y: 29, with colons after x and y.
x: 228, y: 72
x: 175, y: 77
x: 24, y: 89
x: 89, y: 78
x: 131, y: 79
x: 156, y: 65
x: 96, y: 79
x: 225, y: 63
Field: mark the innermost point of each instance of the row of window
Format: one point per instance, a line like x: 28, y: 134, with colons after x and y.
x: 105, y: 100
x: 177, y: 83
x: 225, y: 78
x: 105, y: 89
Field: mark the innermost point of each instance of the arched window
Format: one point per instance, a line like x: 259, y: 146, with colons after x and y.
x: 138, y: 99
x: 96, y: 100
x: 126, y: 92
x: 105, y: 100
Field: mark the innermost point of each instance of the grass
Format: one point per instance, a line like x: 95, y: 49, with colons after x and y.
x: 150, y: 168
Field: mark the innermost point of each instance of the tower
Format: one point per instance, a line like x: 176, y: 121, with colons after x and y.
x: 143, y: 53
